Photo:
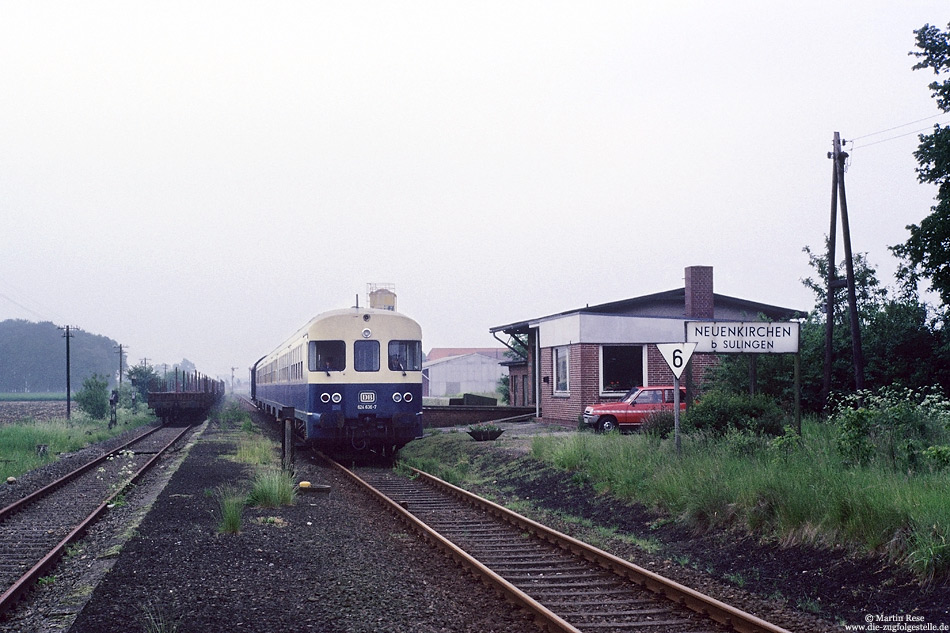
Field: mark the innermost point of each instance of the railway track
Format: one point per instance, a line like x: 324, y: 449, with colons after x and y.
x: 36, y: 530
x: 568, y: 585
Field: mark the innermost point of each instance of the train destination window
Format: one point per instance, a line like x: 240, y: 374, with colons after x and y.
x: 327, y: 356
x: 405, y: 355
x: 366, y: 355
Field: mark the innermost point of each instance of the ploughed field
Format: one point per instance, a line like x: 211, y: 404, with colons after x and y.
x: 16, y: 411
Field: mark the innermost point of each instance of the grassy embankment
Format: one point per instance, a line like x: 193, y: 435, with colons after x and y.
x: 796, y: 492
x: 19, y: 440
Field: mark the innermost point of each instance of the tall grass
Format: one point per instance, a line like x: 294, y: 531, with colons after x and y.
x: 272, y: 487
x: 232, y: 415
x: 257, y: 450
x: 231, y: 505
x: 449, y: 459
x: 796, y: 491
x: 18, y: 442
x: 156, y: 619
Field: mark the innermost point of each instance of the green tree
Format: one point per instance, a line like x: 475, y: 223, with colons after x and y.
x: 33, y: 356
x: 144, y: 378
x: 503, y: 387
x: 93, y: 398
x: 925, y: 253
x: 904, y: 344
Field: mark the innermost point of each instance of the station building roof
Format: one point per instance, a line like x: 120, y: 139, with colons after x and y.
x: 669, y: 304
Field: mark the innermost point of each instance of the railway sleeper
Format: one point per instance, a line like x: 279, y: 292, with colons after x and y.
x: 637, y: 613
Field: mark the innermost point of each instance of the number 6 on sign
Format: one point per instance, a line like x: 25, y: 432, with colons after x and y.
x: 676, y: 355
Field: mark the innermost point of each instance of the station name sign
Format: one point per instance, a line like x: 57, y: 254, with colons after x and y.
x: 743, y: 337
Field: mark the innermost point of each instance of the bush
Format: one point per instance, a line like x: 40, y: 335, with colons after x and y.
x: 719, y: 412
x: 659, y: 424
x: 893, y: 426
x: 93, y: 398
x: 938, y: 457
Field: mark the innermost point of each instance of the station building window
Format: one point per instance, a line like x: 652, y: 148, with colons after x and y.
x: 562, y: 367
x: 621, y: 368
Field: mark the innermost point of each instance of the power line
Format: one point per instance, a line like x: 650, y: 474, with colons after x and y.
x: 891, y: 129
x: 20, y: 305
x: 897, y: 127
x: 891, y: 138
x: 23, y: 300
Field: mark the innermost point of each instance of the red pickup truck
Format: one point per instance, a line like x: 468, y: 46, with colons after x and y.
x: 631, y: 412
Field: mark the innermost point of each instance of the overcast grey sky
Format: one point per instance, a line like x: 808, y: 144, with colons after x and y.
x: 197, y: 179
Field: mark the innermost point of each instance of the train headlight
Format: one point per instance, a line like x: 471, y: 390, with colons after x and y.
x: 407, y: 397
x: 324, y: 398
x: 336, y: 398
x: 397, y: 397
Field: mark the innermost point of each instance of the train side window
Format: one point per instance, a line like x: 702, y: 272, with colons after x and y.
x: 366, y: 355
x: 405, y: 355
x: 327, y: 356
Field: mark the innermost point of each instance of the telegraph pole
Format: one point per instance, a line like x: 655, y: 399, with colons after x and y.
x: 67, y: 336
x: 838, y: 199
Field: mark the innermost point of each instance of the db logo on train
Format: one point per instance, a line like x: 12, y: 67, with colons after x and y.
x: 367, y: 401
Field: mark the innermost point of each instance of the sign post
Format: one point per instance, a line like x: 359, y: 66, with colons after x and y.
x: 676, y: 356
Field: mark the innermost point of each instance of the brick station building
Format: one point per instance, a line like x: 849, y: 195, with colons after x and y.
x: 598, y: 353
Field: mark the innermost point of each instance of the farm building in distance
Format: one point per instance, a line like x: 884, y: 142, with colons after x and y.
x: 453, y: 371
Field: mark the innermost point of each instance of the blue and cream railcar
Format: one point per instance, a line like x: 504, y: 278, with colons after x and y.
x: 353, y: 377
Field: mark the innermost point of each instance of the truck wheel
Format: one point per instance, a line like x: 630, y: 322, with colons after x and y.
x: 608, y: 424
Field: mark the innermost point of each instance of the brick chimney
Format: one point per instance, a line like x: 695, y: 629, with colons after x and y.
x: 699, y: 292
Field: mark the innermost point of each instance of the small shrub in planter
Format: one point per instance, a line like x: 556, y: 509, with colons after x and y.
x: 483, y: 432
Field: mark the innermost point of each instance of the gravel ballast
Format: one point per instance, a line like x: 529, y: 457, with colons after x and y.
x: 331, y: 562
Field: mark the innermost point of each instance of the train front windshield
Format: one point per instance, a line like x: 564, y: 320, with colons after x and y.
x: 327, y: 356
x: 331, y: 356
x: 405, y: 355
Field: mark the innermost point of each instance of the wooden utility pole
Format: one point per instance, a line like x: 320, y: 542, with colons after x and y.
x: 67, y: 336
x: 838, y: 198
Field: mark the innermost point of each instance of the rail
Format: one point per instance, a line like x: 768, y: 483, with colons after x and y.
x: 27, y: 580
x: 726, y: 615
